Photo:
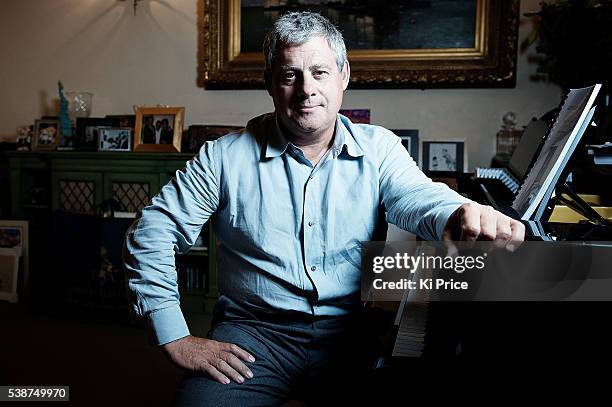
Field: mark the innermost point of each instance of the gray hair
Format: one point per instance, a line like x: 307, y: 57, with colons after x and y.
x: 298, y: 27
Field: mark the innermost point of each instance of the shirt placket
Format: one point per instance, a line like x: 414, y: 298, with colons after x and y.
x: 313, y: 225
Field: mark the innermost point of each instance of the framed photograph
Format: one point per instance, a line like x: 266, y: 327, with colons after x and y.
x: 444, y: 156
x: 198, y: 134
x: 46, y: 134
x: 24, y: 138
x: 410, y: 141
x: 14, y: 235
x: 123, y: 120
x: 159, y: 129
x: 357, y: 115
x: 14, y: 240
x: 405, y: 44
x: 9, y: 269
x: 114, y: 139
x: 87, y: 130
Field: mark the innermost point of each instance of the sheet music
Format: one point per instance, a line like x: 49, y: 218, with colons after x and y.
x: 564, y: 134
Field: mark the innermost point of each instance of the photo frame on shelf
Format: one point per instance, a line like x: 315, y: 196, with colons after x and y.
x: 46, y: 134
x: 14, y: 235
x: 198, y: 134
x: 115, y: 139
x: 444, y: 156
x: 123, y: 120
x: 88, y: 128
x: 410, y: 141
x: 159, y: 129
x: 13, y: 246
x: 24, y: 138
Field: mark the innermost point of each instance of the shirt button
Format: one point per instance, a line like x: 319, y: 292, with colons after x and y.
x: 313, y: 268
x: 310, y: 223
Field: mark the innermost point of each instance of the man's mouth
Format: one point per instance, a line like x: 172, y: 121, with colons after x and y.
x: 306, y: 108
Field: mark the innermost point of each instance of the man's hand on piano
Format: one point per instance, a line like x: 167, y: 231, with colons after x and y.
x: 472, y: 221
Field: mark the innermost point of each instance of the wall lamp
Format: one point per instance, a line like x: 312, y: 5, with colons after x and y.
x: 135, y: 2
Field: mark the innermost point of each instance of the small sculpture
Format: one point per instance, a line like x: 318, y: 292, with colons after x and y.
x: 65, y: 122
x: 508, y: 136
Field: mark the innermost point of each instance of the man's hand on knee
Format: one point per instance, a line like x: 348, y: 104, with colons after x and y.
x: 218, y: 360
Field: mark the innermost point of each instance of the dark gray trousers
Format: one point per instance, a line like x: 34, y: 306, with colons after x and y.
x: 320, y: 360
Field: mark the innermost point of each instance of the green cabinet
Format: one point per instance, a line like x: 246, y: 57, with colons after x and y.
x: 79, y: 182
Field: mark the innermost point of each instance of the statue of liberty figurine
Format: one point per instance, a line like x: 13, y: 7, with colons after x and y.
x: 67, y: 139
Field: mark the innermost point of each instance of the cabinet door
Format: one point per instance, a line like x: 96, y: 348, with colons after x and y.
x: 30, y: 183
x: 132, y: 191
x: 79, y: 192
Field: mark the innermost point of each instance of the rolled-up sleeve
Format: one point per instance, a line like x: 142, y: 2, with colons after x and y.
x: 412, y: 200
x: 169, y: 225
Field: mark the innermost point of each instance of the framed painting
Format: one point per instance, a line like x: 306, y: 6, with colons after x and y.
x: 357, y: 115
x: 422, y: 44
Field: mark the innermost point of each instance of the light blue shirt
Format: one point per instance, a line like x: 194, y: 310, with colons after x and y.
x: 289, y: 232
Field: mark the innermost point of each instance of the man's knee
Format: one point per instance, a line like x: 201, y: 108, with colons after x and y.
x: 197, y: 390
x: 271, y: 380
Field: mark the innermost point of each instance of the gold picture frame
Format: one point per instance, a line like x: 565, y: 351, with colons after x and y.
x: 47, y: 134
x: 157, y: 140
x: 490, y: 63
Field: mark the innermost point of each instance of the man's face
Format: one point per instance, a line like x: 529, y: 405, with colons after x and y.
x: 307, y: 87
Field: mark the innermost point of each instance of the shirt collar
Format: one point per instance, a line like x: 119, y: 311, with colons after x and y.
x: 343, y: 141
x: 277, y: 143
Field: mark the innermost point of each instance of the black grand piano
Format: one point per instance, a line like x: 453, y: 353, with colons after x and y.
x: 521, y: 331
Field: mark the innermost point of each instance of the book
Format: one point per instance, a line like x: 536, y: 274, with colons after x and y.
x: 570, y: 124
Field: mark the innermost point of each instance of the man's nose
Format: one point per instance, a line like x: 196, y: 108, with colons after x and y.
x: 307, y: 86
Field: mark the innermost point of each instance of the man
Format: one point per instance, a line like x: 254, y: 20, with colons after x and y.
x: 158, y: 131
x: 308, y: 186
x: 148, y: 131
x: 166, y: 132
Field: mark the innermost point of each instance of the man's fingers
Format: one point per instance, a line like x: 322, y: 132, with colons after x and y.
x: 237, y: 364
x: 517, y: 235
x: 452, y: 229
x: 488, y: 223
x: 241, y: 353
x: 223, y: 367
x: 215, y: 374
x: 504, y: 231
x: 470, y: 223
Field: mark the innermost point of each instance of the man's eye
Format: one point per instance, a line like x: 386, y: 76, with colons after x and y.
x: 320, y: 73
x: 289, y: 76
